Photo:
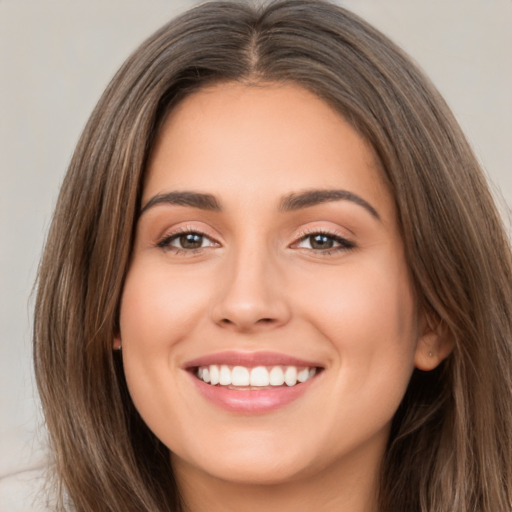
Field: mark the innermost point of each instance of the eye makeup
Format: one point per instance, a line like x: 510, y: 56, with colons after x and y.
x: 188, y: 240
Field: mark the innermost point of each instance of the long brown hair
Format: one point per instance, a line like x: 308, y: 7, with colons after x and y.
x: 451, y: 442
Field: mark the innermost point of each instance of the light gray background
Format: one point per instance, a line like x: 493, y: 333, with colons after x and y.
x: 56, y: 57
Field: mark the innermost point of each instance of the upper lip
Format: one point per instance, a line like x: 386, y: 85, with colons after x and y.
x: 250, y: 359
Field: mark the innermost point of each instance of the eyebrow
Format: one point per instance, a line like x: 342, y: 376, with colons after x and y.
x: 291, y: 202
x: 314, y: 197
x: 192, y: 199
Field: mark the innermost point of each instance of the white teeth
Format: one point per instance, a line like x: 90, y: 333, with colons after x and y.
x: 257, y: 377
x: 240, y: 376
x: 303, y: 375
x: 205, y: 375
x: 290, y: 376
x: 276, y: 376
x: 214, y: 374
x: 225, y: 376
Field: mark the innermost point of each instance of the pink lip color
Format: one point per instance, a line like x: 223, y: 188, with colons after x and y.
x: 251, y: 359
x: 250, y: 401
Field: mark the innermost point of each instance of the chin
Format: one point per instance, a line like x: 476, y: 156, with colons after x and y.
x: 253, y: 463
x: 255, y: 471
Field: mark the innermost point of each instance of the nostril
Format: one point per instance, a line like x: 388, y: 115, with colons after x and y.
x: 227, y: 321
x: 247, y: 325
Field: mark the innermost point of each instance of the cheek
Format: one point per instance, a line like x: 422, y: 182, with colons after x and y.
x: 158, y: 312
x: 368, y: 316
x: 159, y: 308
x: 367, y: 312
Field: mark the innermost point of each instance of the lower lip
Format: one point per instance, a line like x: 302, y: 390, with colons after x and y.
x: 253, y: 401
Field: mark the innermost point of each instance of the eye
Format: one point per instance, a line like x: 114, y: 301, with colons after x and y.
x: 186, y: 241
x: 324, y: 242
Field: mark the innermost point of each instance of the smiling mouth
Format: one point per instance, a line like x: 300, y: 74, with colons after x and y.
x: 254, y: 378
x: 253, y: 383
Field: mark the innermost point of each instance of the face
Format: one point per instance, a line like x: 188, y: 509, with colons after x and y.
x: 268, y: 324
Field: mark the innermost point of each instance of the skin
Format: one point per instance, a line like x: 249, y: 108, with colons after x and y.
x: 258, y: 284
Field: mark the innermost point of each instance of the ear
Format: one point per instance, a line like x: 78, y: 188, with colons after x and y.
x: 116, y: 345
x: 433, y: 347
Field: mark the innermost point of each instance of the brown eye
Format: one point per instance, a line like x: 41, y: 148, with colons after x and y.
x: 321, y: 242
x: 190, y: 241
x: 324, y: 242
x: 186, y: 241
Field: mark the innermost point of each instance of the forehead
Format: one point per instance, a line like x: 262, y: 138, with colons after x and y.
x: 259, y: 140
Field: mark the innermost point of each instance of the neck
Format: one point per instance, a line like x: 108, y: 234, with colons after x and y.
x: 347, y: 487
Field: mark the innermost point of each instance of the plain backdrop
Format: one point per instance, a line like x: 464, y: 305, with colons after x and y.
x: 56, y: 57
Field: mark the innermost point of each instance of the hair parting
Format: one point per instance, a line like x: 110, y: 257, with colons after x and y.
x: 451, y: 445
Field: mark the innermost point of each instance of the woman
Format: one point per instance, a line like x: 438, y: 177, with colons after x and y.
x: 276, y: 277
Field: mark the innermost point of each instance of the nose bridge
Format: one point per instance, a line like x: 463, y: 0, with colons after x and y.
x: 251, y: 295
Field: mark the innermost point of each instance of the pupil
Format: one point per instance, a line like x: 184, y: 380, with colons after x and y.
x: 191, y: 241
x: 321, y: 242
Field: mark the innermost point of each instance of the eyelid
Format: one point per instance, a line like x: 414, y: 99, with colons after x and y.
x: 345, y: 242
x: 163, y: 241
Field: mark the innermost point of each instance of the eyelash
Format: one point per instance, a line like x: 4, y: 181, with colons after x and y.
x: 165, y: 242
x: 344, y: 244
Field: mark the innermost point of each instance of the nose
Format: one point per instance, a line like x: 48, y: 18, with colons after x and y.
x: 251, y: 294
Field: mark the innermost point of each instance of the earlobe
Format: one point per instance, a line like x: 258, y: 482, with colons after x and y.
x: 116, y: 346
x: 432, y: 349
